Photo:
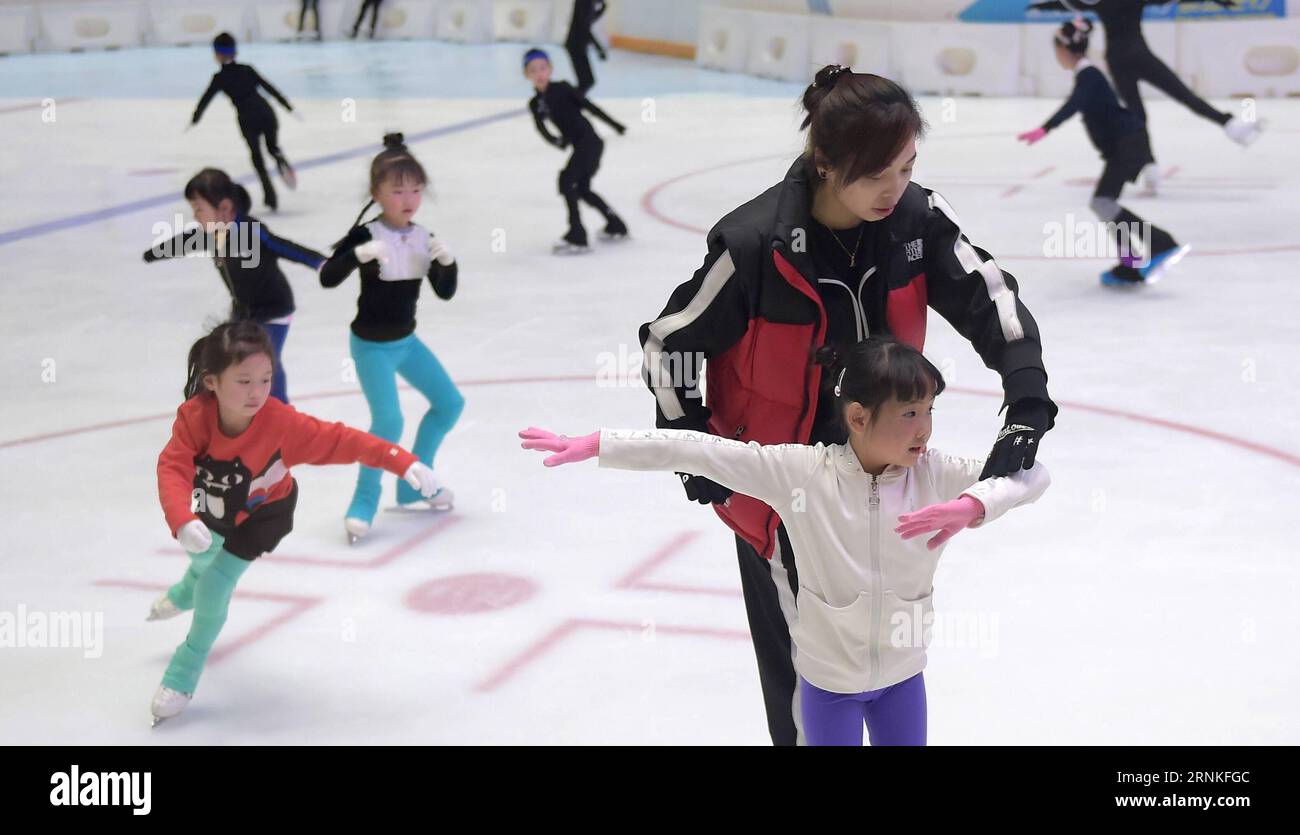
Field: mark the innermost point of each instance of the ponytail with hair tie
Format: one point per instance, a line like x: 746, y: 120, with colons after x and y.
x: 827, y: 75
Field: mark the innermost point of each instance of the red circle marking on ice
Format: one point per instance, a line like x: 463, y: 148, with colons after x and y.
x: 469, y: 593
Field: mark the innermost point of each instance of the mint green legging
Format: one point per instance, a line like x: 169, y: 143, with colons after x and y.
x: 378, y: 364
x: 206, y: 588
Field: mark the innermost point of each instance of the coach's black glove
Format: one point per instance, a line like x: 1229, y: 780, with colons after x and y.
x: 1017, y: 442
x: 702, y: 490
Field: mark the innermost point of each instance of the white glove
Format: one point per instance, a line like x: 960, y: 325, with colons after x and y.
x: 421, y: 478
x: 295, y: 114
x: 440, y: 252
x: 194, y: 537
x: 372, y: 250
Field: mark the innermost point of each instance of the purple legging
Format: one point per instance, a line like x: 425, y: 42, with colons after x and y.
x: 895, y: 714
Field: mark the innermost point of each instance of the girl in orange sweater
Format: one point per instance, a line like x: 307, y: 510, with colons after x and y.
x: 225, y: 485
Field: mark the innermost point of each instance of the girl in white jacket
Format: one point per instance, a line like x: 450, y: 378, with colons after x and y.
x: 865, y: 580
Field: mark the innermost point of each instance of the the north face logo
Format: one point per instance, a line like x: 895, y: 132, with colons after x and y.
x: 913, y: 250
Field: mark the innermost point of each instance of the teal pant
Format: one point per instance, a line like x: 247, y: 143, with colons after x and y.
x: 378, y: 365
x: 206, y: 588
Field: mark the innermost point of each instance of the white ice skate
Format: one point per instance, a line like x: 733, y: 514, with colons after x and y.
x: 356, y: 529
x: 167, y: 703
x: 1151, y: 179
x: 163, y: 608
x: 1241, y: 131
x: 563, y: 247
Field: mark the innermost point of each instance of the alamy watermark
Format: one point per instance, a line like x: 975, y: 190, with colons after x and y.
x: 240, y: 238
x: 24, y: 628
x: 75, y: 787
x: 666, y: 369
x: 1129, y: 243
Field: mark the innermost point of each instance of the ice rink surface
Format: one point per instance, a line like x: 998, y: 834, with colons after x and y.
x: 1148, y: 597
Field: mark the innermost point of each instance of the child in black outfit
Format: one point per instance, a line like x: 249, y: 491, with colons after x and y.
x: 563, y: 105
x: 1121, y: 138
x: 256, y: 118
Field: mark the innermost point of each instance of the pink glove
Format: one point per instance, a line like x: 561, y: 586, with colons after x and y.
x: 1032, y: 136
x: 567, y: 449
x: 947, y: 518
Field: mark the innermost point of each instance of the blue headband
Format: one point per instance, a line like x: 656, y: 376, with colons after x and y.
x: 224, y: 50
x: 534, y: 54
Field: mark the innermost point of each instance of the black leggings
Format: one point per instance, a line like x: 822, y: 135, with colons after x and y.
x: 575, y: 185
x: 373, y: 6
x: 577, y: 48
x: 1123, y: 165
x: 1140, y: 64
x: 255, y: 123
x: 314, y: 5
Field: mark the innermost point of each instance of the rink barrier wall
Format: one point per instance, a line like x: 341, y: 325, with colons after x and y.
x: 523, y: 21
x: 724, y: 38
x: 19, y: 28
x: 1255, y: 58
x: 464, y: 21
x: 1220, y: 58
x: 66, y: 26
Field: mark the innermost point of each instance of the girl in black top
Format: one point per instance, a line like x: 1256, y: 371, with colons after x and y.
x: 1145, y: 250
x: 246, y: 256
x: 395, y: 257
x: 563, y: 105
x: 1131, y: 60
x: 256, y: 118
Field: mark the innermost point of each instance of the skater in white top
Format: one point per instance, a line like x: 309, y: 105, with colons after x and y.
x: 854, y: 513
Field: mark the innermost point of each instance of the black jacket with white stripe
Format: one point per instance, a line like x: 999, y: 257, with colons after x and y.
x: 753, y: 311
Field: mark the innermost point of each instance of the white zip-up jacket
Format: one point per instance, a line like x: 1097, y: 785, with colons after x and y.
x: 865, y: 595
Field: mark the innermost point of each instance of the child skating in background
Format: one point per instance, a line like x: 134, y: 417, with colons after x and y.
x: 247, y: 260
x: 853, y: 512
x: 581, y: 38
x: 1121, y: 139
x: 563, y: 105
x: 226, y: 489
x: 395, y: 257
x: 1131, y: 60
x: 256, y: 118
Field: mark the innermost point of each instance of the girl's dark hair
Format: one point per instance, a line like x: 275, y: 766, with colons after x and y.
x: 215, y: 185
x: 229, y: 343
x: 875, y: 369
x: 857, y: 123
x: 395, y: 161
x: 224, y: 44
x: 1073, y: 35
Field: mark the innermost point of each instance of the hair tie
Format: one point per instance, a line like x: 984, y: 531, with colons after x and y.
x: 839, y: 384
x: 833, y: 73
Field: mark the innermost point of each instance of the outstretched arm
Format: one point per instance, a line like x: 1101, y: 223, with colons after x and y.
x: 590, y: 106
x: 204, y: 101
x: 270, y: 89
x: 768, y: 473
x: 177, y: 247
x: 285, y: 248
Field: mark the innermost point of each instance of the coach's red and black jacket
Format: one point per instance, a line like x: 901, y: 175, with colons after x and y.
x: 753, y: 311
